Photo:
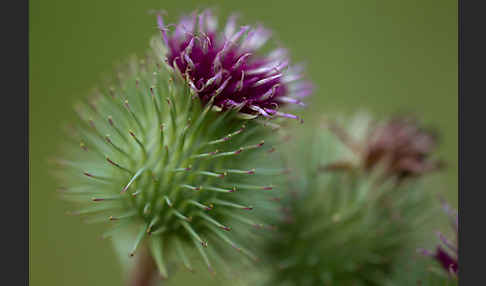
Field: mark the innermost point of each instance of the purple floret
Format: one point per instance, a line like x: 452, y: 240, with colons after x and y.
x: 448, y: 262
x: 447, y: 254
x: 227, y: 65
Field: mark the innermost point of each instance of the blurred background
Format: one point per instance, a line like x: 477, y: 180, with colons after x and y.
x: 383, y: 56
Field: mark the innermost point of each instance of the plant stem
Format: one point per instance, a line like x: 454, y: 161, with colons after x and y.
x: 144, y: 271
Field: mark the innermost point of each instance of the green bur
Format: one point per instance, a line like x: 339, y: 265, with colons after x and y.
x: 148, y: 156
x: 342, y: 227
x: 420, y: 270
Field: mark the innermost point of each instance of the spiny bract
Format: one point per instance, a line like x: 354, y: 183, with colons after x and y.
x: 150, y: 152
x: 342, y: 228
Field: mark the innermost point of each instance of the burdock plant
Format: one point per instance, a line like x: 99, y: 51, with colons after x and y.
x: 344, y: 220
x: 179, y: 146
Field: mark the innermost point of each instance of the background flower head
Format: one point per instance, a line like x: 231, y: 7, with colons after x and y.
x: 404, y: 145
x: 400, y: 147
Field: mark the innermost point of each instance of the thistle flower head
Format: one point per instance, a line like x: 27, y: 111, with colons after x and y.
x: 173, y: 161
x: 400, y: 146
x: 227, y: 64
x: 404, y: 145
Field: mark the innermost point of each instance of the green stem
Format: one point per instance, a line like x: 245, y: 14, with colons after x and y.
x: 144, y: 271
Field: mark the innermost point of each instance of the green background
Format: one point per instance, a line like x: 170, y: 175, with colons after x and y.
x: 384, y: 56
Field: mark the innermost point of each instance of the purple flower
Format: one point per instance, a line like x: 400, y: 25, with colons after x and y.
x: 399, y: 145
x: 447, y: 253
x: 227, y: 65
x: 405, y: 147
x: 446, y: 260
